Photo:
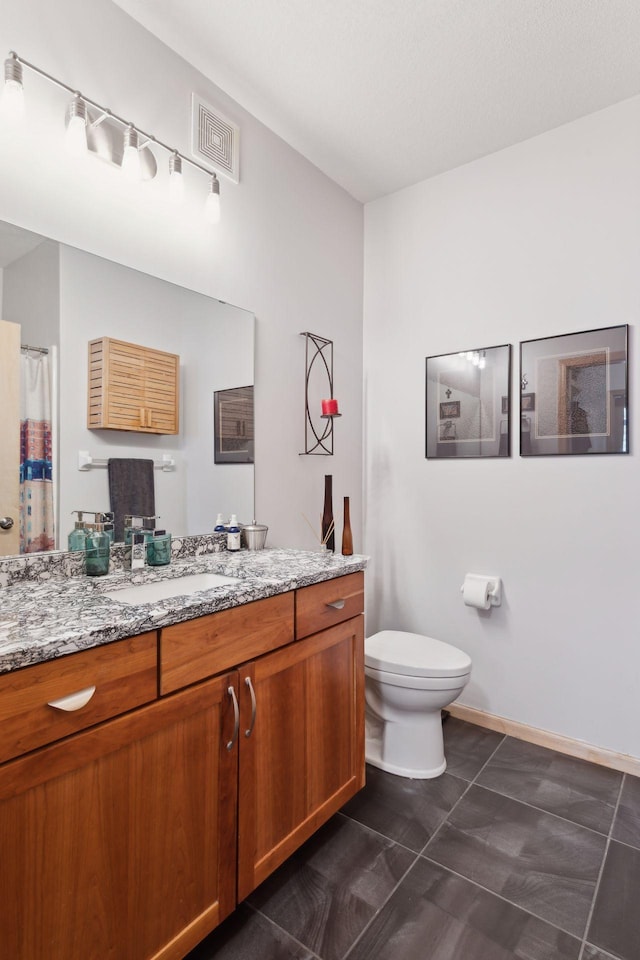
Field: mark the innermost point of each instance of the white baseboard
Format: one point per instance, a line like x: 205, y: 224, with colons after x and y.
x: 554, y: 741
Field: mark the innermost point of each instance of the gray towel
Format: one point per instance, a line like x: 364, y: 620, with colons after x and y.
x: 131, y: 491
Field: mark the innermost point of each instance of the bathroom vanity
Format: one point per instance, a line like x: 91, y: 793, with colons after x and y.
x: 211, y: 747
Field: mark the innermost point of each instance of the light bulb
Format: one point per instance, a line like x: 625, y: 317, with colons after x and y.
x: 76, y: 135
x: 482, y: 363
x: 212, y: 203
x: 12, y: 103
x: 130, y: 155
x: 176, y: 182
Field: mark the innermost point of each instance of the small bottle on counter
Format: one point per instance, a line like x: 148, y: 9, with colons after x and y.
x: 347, y: 536
x: 219, y: 527
x: 233, y: 534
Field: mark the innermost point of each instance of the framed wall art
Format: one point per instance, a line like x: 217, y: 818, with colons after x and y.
x: 233, y: 425
x: 466, y: 414
x: 574, y: 390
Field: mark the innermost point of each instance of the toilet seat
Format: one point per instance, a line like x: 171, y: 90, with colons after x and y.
x: 414, y: 655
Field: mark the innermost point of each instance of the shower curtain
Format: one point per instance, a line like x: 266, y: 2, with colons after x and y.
x: 36, y: 468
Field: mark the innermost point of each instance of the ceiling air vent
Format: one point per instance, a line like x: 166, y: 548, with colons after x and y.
x: 215, y: 139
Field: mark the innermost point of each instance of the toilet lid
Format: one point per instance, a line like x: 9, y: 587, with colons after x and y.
x: 411, y: 654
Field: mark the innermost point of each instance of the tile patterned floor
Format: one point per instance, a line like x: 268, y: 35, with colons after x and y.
x: 515, y: 853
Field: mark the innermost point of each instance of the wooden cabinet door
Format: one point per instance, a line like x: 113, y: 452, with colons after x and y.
x: 10, y: 435
x: 302, y: 757
x: 132, y: 387
x: 119, y: 843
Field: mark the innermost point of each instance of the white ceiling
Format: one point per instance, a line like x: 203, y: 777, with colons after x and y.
x: 380, y: 94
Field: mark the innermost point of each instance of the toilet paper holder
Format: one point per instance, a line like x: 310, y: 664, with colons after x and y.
x: 477, y: 585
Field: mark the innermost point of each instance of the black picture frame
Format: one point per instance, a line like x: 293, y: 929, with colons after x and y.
x: 574, y: 393
x: 464, y: 391
x: 450, y: 410
x: 233, y: 425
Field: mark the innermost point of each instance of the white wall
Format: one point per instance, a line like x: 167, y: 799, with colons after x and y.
x: 537, y: 240
x: 31, y: 295
x: 289, y: 247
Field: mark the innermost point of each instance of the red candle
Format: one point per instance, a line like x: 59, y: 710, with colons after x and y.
x: 329, y: 408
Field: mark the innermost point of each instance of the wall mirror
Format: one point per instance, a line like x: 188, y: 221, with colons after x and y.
x: 468, y: 402
x: 62, y: 298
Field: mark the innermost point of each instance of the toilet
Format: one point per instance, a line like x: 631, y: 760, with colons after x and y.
x: 409, y: 678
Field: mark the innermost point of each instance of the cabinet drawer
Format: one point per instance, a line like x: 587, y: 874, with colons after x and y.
x: 208, y: 645
x: 325, y: 604
x: 124, y: 675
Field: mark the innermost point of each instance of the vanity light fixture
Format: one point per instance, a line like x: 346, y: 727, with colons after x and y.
x: 131, y: 153
x: 212, y: 203
x: 85, y: 115
x: 76, y: 135
x: 176, y: 183
x: 12, y: 103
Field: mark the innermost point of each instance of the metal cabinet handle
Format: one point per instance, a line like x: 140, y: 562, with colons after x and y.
x: 6, y: 523
x: 337, y: 604
x: 249, y: 730
x: 74, y: 701
x: 236, y: 718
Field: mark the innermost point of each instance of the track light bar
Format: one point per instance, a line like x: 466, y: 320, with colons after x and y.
x: 80, y: 122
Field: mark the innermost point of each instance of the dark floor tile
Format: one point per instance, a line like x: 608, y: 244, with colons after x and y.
x: 580, y: 791
x: 246, y: 935
x: 615, y: 924
x: 328, y: 891
x: 467, y: 747
x: 626, y: 826
x: 592, y: 953
x: 407, y: 811
x: 540, y: 862
x: 434, y: 915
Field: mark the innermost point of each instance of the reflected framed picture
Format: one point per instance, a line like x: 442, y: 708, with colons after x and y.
x: 233, y: 425
x: 574, y: 390
x: 468, y: 402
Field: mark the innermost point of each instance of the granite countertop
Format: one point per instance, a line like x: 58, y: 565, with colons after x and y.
x: 45, y: 619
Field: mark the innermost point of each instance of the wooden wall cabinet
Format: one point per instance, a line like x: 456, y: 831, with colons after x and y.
x: 132, y: 387
x: 135, y: 837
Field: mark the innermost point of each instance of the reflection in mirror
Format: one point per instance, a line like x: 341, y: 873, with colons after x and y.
x: 468, y: 404
x: 62, y: 298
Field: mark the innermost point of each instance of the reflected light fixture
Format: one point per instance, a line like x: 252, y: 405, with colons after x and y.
x: 76, y: 135
x: 84, y: 115
x: 12, y: 103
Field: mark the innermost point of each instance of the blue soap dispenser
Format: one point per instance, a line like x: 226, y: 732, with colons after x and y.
x: 233, y: 534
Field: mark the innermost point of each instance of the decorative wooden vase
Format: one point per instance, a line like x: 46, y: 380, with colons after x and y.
x: 327, y: 514
x: 347, y: 536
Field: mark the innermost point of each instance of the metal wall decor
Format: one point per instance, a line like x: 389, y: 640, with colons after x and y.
x: 467, y: 404
x: 320, y: 406
x: 574, y: 390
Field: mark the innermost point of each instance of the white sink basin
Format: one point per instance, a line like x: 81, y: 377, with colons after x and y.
x: 164, y: 589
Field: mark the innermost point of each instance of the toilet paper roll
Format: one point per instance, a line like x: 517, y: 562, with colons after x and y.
x: 475, y: 591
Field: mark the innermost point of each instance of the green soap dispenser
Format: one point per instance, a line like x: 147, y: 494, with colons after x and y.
x: 78, y: 536
x: 97, y: 548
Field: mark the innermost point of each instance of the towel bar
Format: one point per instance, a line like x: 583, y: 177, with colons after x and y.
x: 86, y: 461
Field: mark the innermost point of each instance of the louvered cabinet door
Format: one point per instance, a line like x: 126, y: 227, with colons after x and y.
x: 132, y: 387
